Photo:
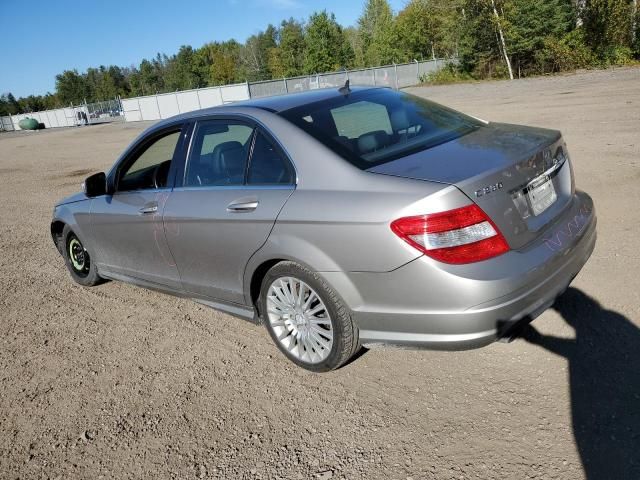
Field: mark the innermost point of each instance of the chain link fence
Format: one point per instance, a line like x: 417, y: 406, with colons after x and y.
x: 394, y: 76
x: 165, y: 105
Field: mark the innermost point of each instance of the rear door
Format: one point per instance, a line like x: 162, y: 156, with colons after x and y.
x: 235, y: 182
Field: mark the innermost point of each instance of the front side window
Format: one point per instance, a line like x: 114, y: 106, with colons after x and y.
x: 150, y: 170
x: 372, y: 127
x: 268, y: 166
x: 218, y: 154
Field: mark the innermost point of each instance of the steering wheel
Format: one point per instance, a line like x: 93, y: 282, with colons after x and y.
x: 159, y: 177
x: 155, y: 179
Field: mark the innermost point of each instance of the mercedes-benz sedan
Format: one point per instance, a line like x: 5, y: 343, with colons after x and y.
x: 339, y: 218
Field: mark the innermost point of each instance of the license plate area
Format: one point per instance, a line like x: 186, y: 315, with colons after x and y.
x: 541, y: 194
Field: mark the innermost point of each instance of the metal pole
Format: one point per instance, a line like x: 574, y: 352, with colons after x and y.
x: 417, y: 70
x: 286, y: 89
x: 158, y: 105
x: 374, y: 76
x: 395, y: 69
x: 198, y: 97
x: 248, y: 90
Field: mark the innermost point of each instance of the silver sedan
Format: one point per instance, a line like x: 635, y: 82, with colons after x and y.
x: 339, y: 218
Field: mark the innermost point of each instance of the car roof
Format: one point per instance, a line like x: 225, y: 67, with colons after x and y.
x: 275, y: 104
x: 279, y: 103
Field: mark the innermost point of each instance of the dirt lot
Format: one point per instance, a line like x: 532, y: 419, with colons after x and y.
x: 120, y: 382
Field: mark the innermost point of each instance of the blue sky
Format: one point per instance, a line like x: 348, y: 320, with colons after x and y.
x: 43, y: 38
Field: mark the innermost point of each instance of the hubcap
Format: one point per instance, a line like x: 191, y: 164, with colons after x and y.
x: 78, y: 256
x: 299, y: 319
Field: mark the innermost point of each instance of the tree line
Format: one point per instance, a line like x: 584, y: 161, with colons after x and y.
x: 491, y: 39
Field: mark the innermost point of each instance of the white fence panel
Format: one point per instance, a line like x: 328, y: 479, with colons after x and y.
x: 234, y: 93
x: 60, y: 117
x: 131, y: 110
x: 168, y: 105
x: 149, y: 108
x: 49, y: 119
x: 188, y: 101
x: 6, y: 123
x: 70, y: 116
x: 210, y: 97
x: 16, y: 120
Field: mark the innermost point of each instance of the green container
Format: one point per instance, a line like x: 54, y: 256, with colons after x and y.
x: 28, y: 124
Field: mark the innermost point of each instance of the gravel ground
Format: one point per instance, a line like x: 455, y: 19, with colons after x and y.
x: 120, y: 382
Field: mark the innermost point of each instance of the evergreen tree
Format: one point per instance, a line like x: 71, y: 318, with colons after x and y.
x: 286, y: 59
x: 326, y: 47
x: 376, y: 33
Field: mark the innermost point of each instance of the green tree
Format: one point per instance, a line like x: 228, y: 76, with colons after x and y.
x: 181, y: 71
x: 220, y: 62
x: 8, y: 104
x: 530, y: 23
x: 255, y: 54
x: 151, y: 75
x: 326, y: 46
x: 608, y: 25
x: 376, y: 27
x: 71, y: 87
x: 429, y: 28
x: 286, y: 59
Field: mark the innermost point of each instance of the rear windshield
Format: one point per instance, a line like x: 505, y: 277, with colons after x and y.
x: 372, y: 127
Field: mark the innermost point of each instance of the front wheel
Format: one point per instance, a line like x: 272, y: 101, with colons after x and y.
x: 306, y: 319
x: 78, y: 260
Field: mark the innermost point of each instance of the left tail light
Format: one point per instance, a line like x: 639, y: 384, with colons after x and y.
x: 463, y: 235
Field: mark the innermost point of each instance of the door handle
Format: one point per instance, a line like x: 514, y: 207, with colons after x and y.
x: 239, y: 207
x: 149, y: 209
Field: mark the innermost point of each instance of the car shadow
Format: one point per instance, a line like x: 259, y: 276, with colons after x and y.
x: 604, y: 380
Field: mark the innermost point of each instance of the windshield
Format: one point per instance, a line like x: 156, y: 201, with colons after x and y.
x: 372, y: 127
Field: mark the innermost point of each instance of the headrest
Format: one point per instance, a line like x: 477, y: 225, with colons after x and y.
x: 370, y: 142
x: 229, y: 157
x: 399, y: 120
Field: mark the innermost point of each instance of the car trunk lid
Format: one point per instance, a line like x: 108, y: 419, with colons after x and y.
x: 520, y: 176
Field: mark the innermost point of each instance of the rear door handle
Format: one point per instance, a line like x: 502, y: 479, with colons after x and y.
x: 239, y: 207
x: 149, y: 209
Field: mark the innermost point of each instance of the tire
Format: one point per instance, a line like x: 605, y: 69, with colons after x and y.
x: 320, y: 336
x: 83, y: 271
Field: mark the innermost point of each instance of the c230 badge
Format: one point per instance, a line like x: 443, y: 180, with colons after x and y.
x: 488, y: 189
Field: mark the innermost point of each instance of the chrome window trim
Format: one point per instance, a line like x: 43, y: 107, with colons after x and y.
x: 234, y: 187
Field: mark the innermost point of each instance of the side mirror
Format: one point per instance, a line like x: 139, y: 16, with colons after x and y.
x: 95, y: 185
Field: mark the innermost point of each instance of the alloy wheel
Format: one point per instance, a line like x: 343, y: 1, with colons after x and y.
x: 299, y: 319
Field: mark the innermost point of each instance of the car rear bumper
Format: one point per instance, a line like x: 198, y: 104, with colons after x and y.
x: 427, y: 304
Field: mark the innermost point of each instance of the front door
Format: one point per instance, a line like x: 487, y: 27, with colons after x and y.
x: 235, y: 183
x: 127, y: 226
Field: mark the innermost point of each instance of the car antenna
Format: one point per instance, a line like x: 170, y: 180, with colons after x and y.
x: 345, y: 90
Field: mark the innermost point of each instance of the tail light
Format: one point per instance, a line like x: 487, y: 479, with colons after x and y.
x: 463, y: 235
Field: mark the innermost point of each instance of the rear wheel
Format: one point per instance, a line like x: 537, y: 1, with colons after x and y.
x: 306, y: 319
x: 78, y: 260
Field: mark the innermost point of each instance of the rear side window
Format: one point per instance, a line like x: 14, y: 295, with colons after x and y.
x: 372, y: 127
x: 268, y: 166
x: 218, y: 154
